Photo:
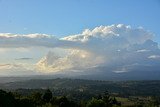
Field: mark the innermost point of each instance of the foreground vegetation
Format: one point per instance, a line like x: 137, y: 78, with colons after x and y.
x: 37, y: 99
x: 80, y: 93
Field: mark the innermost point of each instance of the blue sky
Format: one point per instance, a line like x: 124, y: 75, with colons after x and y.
x: 65, y: 17
x: 37, y: 20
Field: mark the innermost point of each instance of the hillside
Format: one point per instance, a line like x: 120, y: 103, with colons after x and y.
x: 138, y: 88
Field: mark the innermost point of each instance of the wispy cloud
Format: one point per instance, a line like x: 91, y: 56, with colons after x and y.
x: 154, y: 56
x: 24, y: 58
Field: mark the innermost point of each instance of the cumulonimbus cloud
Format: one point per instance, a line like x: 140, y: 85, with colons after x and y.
x: 119, y: 48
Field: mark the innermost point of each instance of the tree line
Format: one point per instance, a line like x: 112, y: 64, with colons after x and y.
x: 47, y: 99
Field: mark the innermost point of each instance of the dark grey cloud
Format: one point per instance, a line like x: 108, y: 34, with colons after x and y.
x: 24, y: 58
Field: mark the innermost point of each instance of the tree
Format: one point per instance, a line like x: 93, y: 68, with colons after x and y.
x: 63, y: 101
x: 115, y: 102
x: 96, y: 103
x: 47, y: 96
x: 36, y: 97
x: 107, y: 99
x: 7, y: 99
x: 24, y: 102
x: 156, y: 101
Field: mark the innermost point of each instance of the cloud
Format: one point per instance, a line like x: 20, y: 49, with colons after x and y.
x: 76, y: 60
x: 116, y: 47
x: 10, y: 69
x: 154, y: 57
x: 116, y: 32
x: 143, y: 50
x: 8, y: 40
x: 9, y: 66
x: 111, y: 37
x: 24, y: 58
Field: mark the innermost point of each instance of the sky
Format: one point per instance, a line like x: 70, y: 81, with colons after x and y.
x: 48, y: 36
x: 66, y: 17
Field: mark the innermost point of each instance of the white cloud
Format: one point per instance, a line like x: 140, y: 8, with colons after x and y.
x: 76, y: 60
x: 9, y: 66
x: 154, y: 57
x: 8, y: 40
x: 119, y: 48
x: 120, y: 32
x: 10, y: 69
x: 143, y: 50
